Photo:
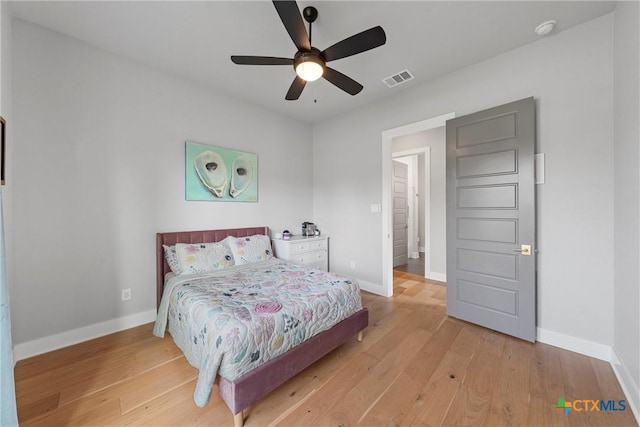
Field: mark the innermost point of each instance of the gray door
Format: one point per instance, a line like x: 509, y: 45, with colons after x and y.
x: 400, y: 214
x: 491, y: 219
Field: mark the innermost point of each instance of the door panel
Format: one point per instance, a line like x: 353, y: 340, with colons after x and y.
x: 499, y: 299
x: 487, y: 197
x: 490, y: 214
x: 489, y: 264
x: 400, y: 214
x: 488, y: 230
x: 500, y: 162
x: 487, y: 129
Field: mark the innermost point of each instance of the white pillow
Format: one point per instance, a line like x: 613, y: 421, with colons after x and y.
x: 247, y: 250
x: 172, y: 259
x: 203, y: 257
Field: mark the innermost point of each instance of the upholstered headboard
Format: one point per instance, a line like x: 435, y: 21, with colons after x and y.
x: 204, y: 236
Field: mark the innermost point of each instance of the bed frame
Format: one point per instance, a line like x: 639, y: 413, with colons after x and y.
x: 251, y: 387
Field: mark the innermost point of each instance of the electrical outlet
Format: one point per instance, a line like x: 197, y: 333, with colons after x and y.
x: 352, y: 264
x: 126, y: 294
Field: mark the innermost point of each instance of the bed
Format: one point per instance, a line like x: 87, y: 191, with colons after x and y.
x: 249, y: 384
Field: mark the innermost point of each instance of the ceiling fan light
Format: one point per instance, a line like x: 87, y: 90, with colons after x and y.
x: 310, y: 68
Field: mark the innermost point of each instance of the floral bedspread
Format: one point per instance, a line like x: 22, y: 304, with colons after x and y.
x: 230, y: 322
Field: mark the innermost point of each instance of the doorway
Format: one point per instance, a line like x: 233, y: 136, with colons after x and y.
x: 415, y: 164
x: 402, y: 187
x: 387, y: 225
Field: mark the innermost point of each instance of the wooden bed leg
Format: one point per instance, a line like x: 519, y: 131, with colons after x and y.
x: 360, y: 336
x: 238, y: 419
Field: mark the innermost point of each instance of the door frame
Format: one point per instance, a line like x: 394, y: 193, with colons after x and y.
x: 387, y: 226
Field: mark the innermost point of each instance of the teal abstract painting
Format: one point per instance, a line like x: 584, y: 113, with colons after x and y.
x: 220, y: 174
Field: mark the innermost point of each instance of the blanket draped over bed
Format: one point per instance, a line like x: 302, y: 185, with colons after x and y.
x: 229, y: 322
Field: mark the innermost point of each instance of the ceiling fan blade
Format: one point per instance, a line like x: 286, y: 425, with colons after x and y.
x: 361, y: 42
x: 295, y: 89
x: 260, y: 60
x: 292, y: 20
x: 345, y: 83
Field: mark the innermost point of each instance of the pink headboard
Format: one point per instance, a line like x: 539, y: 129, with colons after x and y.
x: 205, y: 236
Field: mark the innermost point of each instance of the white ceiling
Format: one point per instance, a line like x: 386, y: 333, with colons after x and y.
x: 195, y: 40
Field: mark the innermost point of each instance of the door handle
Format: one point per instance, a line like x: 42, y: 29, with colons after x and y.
x: 524, y: 249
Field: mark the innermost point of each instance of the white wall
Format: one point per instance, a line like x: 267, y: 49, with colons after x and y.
x: 435, y: 139
x: 570, y: 75
x: 626, y: 340
x: 8, y: 413
x: 99, y: 169
x: 6, y: 111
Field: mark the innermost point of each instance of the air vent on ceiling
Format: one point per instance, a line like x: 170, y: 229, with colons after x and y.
x: 399, y: 78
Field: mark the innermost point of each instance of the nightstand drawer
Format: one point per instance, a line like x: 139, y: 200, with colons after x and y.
x: 309, y: 257
x: 320, y: 265
x: 302, y: 247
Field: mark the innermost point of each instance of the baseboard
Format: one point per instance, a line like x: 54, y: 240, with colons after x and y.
x: 578, y: 345
x: 627, y: 383
x: 75, y: 336
x: 602, y: 352
x: 374, y: 288
x: 440, y: 277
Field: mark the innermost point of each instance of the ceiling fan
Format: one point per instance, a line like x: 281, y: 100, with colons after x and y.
x: 309, y: 63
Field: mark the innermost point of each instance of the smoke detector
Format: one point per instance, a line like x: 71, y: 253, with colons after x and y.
x: 545, y: 28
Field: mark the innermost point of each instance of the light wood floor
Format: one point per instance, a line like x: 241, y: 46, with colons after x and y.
x: 416, y: 366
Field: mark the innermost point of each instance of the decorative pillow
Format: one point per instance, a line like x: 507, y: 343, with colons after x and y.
x: 204, y: 257
x: 250, y: 249
x: 172, y: 259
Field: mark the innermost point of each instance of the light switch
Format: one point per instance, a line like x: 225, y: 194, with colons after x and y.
x: 376, y: 208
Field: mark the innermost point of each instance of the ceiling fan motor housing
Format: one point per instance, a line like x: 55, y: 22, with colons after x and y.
x: 313, y: 55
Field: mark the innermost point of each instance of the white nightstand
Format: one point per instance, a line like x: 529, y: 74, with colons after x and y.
x: 308, y: 251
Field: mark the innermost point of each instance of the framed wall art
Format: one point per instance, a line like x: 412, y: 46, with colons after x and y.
x: 220, y: 174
